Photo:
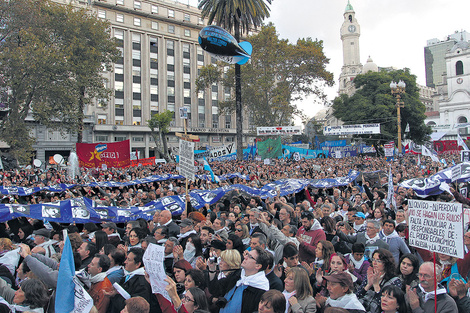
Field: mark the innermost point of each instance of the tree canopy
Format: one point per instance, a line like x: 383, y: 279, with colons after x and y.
x: 51, y: 58
x: 279, y: 73
x: 373, y: 103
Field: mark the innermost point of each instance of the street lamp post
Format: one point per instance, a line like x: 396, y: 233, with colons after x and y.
x: 397, y: 91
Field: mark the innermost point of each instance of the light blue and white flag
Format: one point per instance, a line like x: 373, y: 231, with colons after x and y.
x: 390, y: 198
x: 207, y: 167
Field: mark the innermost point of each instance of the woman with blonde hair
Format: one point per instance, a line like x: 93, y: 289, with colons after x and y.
x: 243, y: 232
x: 224, y: 279
x: 298, y: 292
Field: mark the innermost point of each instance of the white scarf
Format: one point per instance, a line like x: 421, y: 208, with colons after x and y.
x: 287, y: 295
x: 98, y: 278
x: 357, y: 264
x: 430, y: 295
x: 257, y: 280
x: 139, y: 271
x: 387, y: 238
x: 186, y: 234
x: 348, y: 301
x: 372, y: 240
x: 113, y: 269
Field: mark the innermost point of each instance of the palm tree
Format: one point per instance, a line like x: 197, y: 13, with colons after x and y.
x: 236, y: 16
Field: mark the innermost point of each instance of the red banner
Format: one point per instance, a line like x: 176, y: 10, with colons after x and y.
x: 113, y: 154
x: 446, y: 145
x: 144, y: 162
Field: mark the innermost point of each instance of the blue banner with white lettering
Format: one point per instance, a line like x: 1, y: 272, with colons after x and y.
x: 333, y: 143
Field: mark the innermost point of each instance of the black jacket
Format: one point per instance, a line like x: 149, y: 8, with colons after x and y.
x: 136, y: 286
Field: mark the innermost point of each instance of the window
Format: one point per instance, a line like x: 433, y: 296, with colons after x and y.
x: 215, y: 121
x: 153, y: 73
x: 229, y: 139
x: 170, y: 91
x: 136, y: 87
x: 170, y: 44
x: 101, y: 13
x: 119, y: 86
x: 170, y: 60
x: 101, y: 138
x: 119, y: 103
x: 119, y: 18
x: 137, y: 21
x: 138, y: 139
x: 171, y: 13
x: 171, y: 29
x: 136, y: 120
x: 120, y: 138
x: 136, y: 54
x: 200, y: 21
x: 119, y: 34
x: 101, y: 119
x: 187, y: 33
x: 216, y: 139
x: 154, y: 9
x: 228, y: 121
x: 187, y: 17
x: 155, y: 25
x: 119, y: 68
x: 121, y: 2
x: 459, y: 68
x: 136, y: 71
x: 137, y: 4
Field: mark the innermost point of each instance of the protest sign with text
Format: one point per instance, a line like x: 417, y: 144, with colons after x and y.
x: 436, y: 226
x: 154, y: 266
x: 186, y: 160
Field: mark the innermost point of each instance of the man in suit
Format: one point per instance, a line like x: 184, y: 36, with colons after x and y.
x: 165, y: 220
x: 134, y: 283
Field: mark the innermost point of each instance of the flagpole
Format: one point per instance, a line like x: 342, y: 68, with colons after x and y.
x: 186, y: 189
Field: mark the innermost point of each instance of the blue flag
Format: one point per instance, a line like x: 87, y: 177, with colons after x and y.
x: 207, y: 167
x: 65, y: 295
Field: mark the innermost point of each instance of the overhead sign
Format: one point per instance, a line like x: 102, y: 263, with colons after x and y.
x: 436, y: 226
x: 388, y: 149
x: 436, y: 128
x: 358, y: 129
x: 278, y: 130
x: 186, y: 160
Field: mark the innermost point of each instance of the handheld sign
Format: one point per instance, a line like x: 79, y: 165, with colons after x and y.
x: 436, y: 226
x: 222, y: 45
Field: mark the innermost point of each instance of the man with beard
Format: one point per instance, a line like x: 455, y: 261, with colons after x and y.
x: 309, y: 235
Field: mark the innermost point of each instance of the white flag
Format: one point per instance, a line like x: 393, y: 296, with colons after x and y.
x: 461, y: 142
x: 428, y: 153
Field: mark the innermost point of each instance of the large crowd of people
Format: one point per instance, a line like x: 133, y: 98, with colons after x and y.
x: 341, y: 249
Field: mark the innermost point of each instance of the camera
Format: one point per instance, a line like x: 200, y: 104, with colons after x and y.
x: 221, y: 302
x: 213, y: 259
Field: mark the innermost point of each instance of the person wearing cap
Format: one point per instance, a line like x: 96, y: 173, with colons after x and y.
x: 341, y: 289
x: 186, y: 229
x: 110, y: 229
x: 359, y: 225
x: 396, y: 245
x: 43, y: 244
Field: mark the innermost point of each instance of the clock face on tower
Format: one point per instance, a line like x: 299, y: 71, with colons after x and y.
x: 352, y: 28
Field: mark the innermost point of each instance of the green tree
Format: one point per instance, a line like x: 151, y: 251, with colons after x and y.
x: 236, y: 16
x: 159, y: 126
x: 373, y: 103
x: 51, y: 59
x: 279, y: 74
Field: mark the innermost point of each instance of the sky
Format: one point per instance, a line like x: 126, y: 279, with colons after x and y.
x: 393, y: 32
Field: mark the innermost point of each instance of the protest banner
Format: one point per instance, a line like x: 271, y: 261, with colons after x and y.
x: 436, y: 226
x: 153, y: 261
x: 113, y: 154
x: 456, y: 172
x: 186, y: 160
x: 278, y: 130
x: 357, y: 129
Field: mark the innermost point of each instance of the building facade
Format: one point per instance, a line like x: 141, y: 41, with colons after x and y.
x: 160, y: 61
x: 435, y: 54
x: 453, y: 96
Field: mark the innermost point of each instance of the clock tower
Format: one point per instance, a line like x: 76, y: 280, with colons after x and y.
x: 350, y: 32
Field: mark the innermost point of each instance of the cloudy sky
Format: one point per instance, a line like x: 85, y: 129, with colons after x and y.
x: 393, y: 32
